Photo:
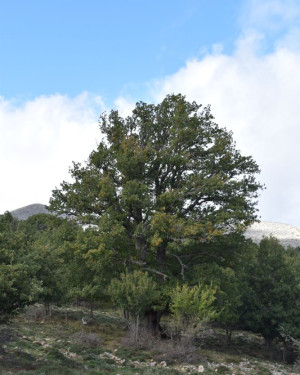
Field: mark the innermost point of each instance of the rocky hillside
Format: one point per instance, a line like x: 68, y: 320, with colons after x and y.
x: 286, y: 234
x: 24, y: 213
x: 33, y: 344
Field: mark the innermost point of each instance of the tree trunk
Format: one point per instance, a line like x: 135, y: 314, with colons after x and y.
x: 228, y: 335
x: 137, y: 326
x: 269, y: 345
x: 126, y: 315
x: 48, y: 309
x: 161, y: 259
x: 91, y: 309
x: 152, y: 323
x: 141, y: 247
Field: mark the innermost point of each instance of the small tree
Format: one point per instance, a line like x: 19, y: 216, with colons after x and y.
x: 191, y: 305
x: 135, y: 293
x: 47, y: 236
x: 88, y: 270
x: 229, y: 300
x: 49, y: 270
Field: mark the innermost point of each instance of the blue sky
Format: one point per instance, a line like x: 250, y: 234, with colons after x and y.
x: 64, y: 62
x: 107, y: 48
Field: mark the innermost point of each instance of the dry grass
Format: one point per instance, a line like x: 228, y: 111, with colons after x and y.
x: 87, y: 340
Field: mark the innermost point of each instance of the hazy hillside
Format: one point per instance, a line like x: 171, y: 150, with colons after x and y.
x: 24, y: 213
x: 286, y: 234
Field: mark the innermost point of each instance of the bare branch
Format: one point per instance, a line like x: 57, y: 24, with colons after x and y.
x: 183, y: 266
x: 140, y: 263
x: 157, y: 272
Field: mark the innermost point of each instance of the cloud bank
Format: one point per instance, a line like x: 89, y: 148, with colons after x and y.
x: 39, y: 140
x: 255, y: 93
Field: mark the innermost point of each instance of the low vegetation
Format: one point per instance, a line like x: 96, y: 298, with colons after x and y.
x: 33, y: 343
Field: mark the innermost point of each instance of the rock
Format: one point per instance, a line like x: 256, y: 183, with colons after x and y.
x: 118, y: 360
x: 135, y: 363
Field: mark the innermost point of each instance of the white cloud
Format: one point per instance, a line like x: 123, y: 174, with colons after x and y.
x: 257, y: 97
x: 39, y: 140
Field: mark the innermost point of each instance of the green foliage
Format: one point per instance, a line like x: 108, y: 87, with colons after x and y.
x: 229, y: 297
x: 49, y: 270
x: 37, y: 224
x: 18, y: 284
x: 87, y: 271
x: 32, y: 266
x: 49, y: 236
x: 191, y: 305
x: 222, y: 263
x: 271, y: 299
x: 134, y: 292
x: 18, y: 287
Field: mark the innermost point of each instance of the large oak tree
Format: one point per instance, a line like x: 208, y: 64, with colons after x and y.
x: 161, y: 184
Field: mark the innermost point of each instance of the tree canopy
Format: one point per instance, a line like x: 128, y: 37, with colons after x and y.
x: 160, y: 182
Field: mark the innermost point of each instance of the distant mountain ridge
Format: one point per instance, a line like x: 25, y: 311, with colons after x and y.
x: 288, y: 235
x: 24, y: 213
